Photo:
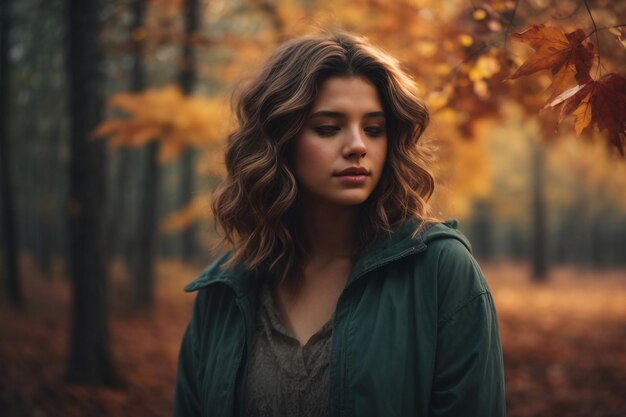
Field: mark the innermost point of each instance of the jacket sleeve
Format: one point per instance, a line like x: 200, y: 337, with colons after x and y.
x: 469, y: 374
x: 186, y: 395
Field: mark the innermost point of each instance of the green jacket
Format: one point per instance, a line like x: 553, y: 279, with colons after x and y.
x: 415, y: 334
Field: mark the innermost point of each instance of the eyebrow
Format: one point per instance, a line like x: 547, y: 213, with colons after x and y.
x: 336, y: 114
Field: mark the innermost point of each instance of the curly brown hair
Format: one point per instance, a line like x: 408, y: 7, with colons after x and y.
x: 256, y: 204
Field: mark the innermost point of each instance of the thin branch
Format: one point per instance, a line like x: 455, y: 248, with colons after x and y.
x: 604, y: 28
x: 595, y: 30
x: 484, y: 47
x: 510, y: 26
x: 487, y: 45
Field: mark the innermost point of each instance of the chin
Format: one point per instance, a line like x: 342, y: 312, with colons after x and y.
x: 345, y: 197
x: 352, y: 198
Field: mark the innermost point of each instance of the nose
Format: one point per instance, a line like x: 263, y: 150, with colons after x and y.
x: 355, y: 145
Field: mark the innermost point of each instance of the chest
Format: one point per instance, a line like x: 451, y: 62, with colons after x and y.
x: 381, y: 355
x: 303, y: 310
x: 285, y: 378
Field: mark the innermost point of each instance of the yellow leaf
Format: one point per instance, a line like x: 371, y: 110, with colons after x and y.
x: 143, y: 136
x: 165, y: 114
x: 583, y: 115
x: 106, y: 128
x: 426, y: 48
x: 466, y: 40
x: 442, y: 69
x: 436, y: 100
x: 198, y: 209
x: 485, y: 67
x: 481, y: 89
x: 169, y: 151
x: 479, y: 14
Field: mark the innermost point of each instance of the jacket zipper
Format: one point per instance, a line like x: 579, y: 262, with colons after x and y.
x: 245, y: 354
x: 387, y: 261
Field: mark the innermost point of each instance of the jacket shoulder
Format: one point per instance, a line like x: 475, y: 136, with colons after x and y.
x: 211, y: 300
x: 215, y: 272
x: 445, y: 234
x: 460, y: 279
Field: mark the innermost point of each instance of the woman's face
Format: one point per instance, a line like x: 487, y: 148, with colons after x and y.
x: 339, y: 156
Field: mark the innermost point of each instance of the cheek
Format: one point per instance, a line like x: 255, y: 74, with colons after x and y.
x: 380, y: 153
x: 378, y: 158
x: 309, y: 153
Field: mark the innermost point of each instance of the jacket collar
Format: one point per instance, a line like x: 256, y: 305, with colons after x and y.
x: 401, y: 242
x: 237, y: 277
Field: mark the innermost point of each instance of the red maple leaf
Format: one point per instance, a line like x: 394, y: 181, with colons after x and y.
x: 602, y: 102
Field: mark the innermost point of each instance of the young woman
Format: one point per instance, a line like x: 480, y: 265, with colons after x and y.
x: 340, y: 296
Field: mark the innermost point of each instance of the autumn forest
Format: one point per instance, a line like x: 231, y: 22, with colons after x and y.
x: 114, y: 117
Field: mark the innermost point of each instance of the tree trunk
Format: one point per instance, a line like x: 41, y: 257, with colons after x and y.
x: 538, y: 249
x: 118, y: 243
x: 143, y: 239
x: 187, y: 75
x: 90, y: 358
x: 187, y: 81
x: 14, y: 289
x: 482, y: 230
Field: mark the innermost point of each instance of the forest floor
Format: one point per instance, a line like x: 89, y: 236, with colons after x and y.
x: 564, y: 345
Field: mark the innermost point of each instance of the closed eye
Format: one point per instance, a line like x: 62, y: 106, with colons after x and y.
x: 326, y: 130
x: 375, y: 131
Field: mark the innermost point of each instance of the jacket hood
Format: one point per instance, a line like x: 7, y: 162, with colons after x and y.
x: 398, y: 243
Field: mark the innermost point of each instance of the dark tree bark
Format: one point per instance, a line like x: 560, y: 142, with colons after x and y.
x: 482, y: 233
x: 10, y: 242
x: 143, y: 244
x: 187, y: 75
x: 90, y: 357
x: 138, y: 72
x: 128, y: 158
x: 538, y: 211
x: 143, y: 240
x: 187, y: 81
x: 188, y: 236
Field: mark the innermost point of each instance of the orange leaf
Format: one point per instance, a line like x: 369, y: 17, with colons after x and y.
x: 555, y: 51
x: 165, y: 114
x: 583, y: 115
x: 143, y: 136
x: 198, y: 209
x: 169, y: 151
x: 562, y: 81
x: 106, y: 128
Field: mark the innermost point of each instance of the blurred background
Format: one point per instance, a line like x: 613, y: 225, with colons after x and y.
x: 113, y: 121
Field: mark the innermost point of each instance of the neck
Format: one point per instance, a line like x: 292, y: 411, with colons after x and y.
x: 329, y: 231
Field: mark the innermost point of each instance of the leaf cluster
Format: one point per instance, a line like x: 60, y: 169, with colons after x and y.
x: 569, y: 58
x: 166, y: 115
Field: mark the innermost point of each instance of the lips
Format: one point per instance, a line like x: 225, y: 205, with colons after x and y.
x: 353, y: 171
